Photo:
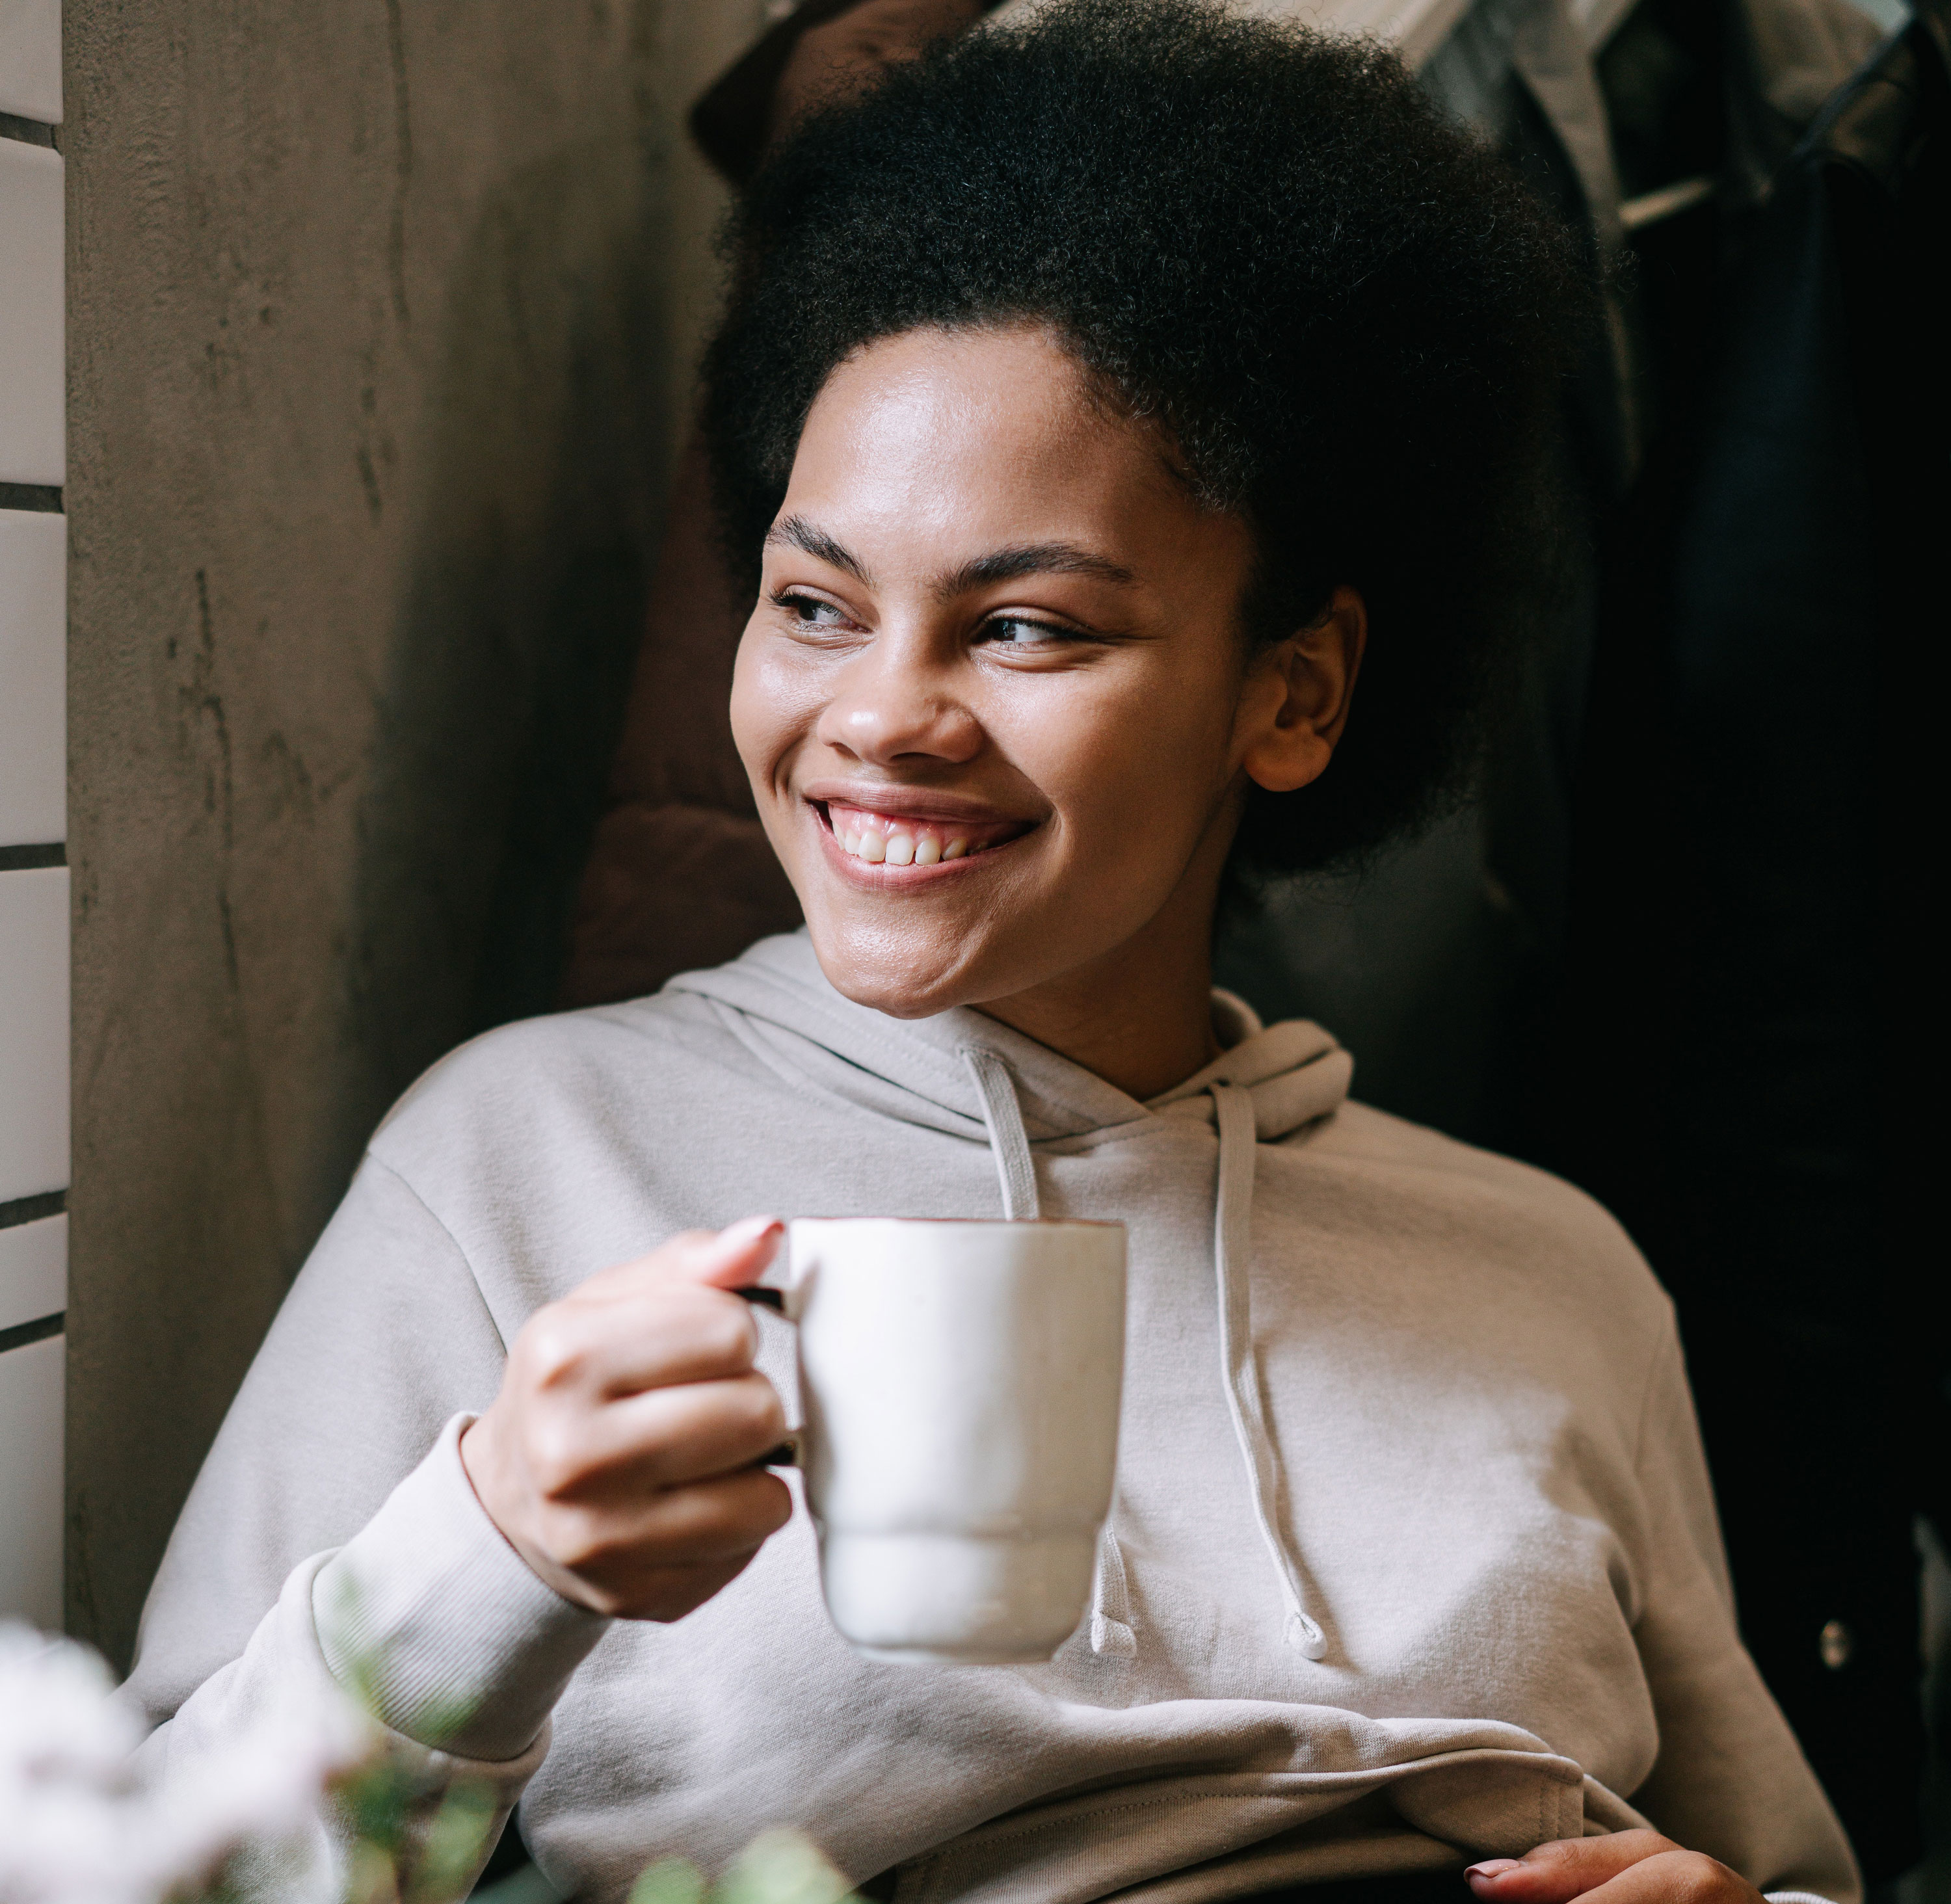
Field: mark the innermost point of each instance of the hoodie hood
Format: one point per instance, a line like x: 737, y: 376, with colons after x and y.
x: 916, y: 1070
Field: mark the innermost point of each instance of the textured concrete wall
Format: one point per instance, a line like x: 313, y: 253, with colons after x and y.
x: 381, y: 316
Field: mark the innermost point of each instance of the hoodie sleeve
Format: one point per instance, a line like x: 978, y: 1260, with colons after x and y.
x: 333, y: 1535
x: 1730, y: 1779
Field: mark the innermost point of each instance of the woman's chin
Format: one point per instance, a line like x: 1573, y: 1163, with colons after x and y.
x: 912, y: 978
x: 897, y: 996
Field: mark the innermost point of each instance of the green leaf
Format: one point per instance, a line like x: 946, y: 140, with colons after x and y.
x: 781, y: 1867
x: 671, y: 1880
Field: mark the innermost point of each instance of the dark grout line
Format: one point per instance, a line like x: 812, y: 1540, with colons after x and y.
x: 19, y: 1339
x: 31, y: 1210
x: 31, y: 858
x: 43, y: 497
x: 28, y: 132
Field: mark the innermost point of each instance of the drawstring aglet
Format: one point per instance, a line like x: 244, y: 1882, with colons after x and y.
x: 1306, y: 1637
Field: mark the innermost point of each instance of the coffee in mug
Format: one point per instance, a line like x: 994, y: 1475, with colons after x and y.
x: 960, y: 1383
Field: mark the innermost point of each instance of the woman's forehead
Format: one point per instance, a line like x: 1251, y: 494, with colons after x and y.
x: 979, y: 442
x: 1011, y: 388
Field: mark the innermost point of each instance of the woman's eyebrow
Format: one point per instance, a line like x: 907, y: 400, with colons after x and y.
x: 1032, y: 558
x: 797, y: 532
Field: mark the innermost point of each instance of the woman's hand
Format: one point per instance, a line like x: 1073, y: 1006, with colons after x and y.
x: 619, y: 1460
x: 1625, y: 1868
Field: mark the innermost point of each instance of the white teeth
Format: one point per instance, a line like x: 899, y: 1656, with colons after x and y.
x: 925, y: 846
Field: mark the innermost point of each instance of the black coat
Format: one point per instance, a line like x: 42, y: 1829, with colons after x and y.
x: 1803, y: 1137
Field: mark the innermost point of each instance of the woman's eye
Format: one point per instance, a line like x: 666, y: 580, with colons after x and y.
x: 809, y: 611
x: 1012, y: 631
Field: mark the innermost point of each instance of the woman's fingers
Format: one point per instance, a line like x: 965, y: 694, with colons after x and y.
x: 1621, y: 1868
x: 738, y: 1256
x: 1675, y: 1876
x: 620, y: 1458
x: 732, y: 1258
x: 666, y: 1333
x: 662, y: 1556
x: 1564, y: 1869
x: 665, y: 1438
x: 703, y: 1525
x: 664, y: 1319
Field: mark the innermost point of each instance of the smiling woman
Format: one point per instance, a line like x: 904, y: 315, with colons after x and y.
x: 1130, y: 423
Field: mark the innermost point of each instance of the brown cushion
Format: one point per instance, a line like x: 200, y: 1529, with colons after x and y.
x: 669, y: 889
x: 680, y: 874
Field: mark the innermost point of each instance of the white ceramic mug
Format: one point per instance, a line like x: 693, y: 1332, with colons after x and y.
x: 960, y: 1383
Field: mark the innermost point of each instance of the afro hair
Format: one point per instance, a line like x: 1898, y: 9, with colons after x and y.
x: 1349, y: 319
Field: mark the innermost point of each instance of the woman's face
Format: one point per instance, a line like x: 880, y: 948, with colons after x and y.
x: 993, y: 698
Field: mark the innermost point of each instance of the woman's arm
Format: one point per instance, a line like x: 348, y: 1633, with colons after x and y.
x: 335, y: 1540
x: 334, y: 1449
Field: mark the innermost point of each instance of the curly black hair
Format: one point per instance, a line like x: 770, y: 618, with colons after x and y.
x: 1348, y: 318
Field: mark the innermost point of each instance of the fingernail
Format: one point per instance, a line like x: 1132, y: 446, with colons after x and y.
x: 1492, y: 1867
x: 748, y: 1230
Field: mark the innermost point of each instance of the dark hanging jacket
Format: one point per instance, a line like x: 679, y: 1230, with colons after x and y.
x: 1809, y: 613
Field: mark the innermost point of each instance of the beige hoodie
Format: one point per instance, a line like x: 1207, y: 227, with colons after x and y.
x: 1413, y: 1554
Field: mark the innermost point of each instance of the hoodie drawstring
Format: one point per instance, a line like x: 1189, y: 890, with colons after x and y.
x: 1009, y: 1143
x: 1232, y: 1245
x: 1016, y: 1169
x: 1111, y: 1631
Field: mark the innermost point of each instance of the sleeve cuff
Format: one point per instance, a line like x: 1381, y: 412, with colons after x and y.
x: 440, y: 1626
x: 1796, y: 1897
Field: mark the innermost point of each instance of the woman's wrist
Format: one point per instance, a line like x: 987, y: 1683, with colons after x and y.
x: 432, y: 1616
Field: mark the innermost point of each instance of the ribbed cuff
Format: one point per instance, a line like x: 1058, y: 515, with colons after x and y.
x: 1796, y: 1897
x: 440, y: 1626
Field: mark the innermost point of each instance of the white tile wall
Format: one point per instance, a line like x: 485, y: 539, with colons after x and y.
x: 33, y: 425
x: 33, y: 760
x: 33, y: 676
x: 33, y: 1033
x: 31, y: 1383
x: 33, y: 1271
x: 30, y: 66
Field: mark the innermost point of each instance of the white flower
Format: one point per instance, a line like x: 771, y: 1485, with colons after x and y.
x: 83, y: 1821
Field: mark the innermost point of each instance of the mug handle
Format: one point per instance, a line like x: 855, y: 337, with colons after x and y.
x: 786, y: 1455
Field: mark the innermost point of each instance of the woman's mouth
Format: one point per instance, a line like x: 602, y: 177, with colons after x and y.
x: 902, y: 840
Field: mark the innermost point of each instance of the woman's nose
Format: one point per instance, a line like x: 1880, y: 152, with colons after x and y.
x: 888, y: 706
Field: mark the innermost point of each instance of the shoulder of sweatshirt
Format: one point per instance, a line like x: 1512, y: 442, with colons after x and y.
x: 1531, y: 1212
x: 582, y: 1066
x: 549, y: 1149
x: 1357, y: 1130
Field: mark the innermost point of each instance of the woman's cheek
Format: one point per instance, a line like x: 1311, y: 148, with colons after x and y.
x: 775, y: 700
x: 1127, y: 773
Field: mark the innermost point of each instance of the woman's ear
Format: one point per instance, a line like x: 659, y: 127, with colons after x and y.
x: 1295, y: 700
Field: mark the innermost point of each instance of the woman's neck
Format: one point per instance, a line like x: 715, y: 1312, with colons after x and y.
x: 1140, y: 1015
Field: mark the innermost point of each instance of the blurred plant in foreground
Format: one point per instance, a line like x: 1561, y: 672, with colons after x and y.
x: 305, y: 1805
x: 776, y: 1867
x: 82, y: 1821
x: 85, y: 1819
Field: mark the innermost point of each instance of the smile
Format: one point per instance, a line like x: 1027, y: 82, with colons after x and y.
x: 899, y: 840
